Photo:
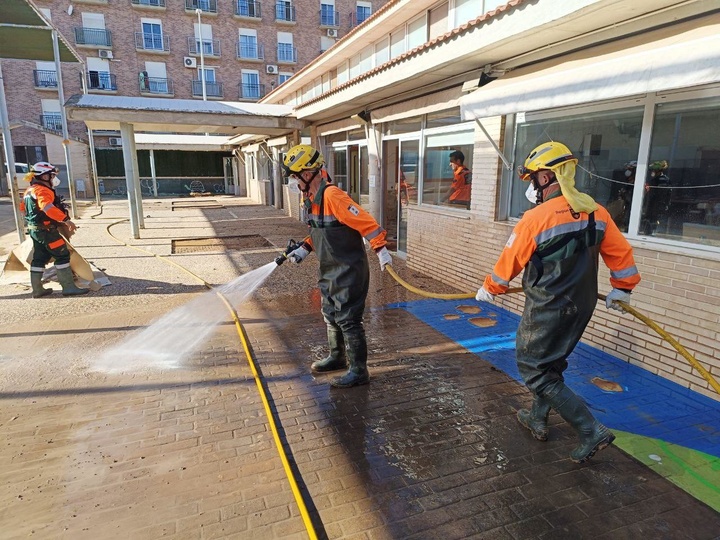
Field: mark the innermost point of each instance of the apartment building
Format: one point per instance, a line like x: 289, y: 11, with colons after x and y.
x: 156, y: 48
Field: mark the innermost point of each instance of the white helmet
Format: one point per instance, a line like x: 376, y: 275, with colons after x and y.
x: 43, y: 167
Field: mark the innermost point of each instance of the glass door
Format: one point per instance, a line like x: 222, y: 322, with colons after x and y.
x: 407, y: 187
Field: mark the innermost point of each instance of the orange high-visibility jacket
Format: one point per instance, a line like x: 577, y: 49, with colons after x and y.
x: 461, y: 185
x: 546, y: 224
x: 339, y: 208
x: 44, y: 197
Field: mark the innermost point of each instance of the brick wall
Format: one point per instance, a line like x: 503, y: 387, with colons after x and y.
x: 680, y: 292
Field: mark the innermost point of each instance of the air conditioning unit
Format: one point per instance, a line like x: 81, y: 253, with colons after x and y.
x: 332, y: 32
x: 272, y: 70
x: 104, y: 53
x: 190, y: 62
x: 115, y: 141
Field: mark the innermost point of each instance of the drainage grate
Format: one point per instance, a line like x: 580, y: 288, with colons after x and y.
x: 221, y: 243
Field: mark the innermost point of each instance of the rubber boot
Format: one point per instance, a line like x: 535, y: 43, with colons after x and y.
x: 593, y: 435
x: 336, y: 360
x: 38, y: 291
x: 535, y: 419
x: 65, y: 277
x: 357, y: 354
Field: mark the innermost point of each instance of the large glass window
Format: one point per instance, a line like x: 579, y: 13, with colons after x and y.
x: 606, y: 144
x: 681, y: 195
x: 444, y: 183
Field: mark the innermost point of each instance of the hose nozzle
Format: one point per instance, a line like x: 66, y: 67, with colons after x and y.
x: 292, y: 246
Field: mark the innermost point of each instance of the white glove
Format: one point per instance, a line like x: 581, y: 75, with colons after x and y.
x: 298, y: 255
x: 617, y: 294
x: 483, y: 295
x: 385, y: 258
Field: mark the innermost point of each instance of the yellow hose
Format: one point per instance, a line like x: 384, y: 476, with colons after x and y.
x: 261, y: 389
x: 649, y: 322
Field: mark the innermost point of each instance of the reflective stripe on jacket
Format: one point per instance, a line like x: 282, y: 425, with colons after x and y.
x: 339, y: 209
x: 39, y: 205
x: 550, y: 223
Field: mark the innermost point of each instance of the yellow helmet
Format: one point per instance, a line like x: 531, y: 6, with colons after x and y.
x: 303, y: 157
x: 546, y: 156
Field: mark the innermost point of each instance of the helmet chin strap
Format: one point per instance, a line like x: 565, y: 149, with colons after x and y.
x: 540, y: 190
x: 306, y: 185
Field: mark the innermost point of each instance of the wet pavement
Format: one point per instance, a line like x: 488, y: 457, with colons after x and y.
x: 429, y: 449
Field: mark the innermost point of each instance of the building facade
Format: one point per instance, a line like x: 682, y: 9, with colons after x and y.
x: 156, y: 48
x: 632, y: 88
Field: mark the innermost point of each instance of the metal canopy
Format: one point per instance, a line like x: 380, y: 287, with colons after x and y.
x: 182, y: 115
x: 25, y: 34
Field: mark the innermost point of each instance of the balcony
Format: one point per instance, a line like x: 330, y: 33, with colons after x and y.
x: 212, y: 89
x: 284, y: 12
x: 150, y: 4
x: 247, y: 9
x: 329, y: 18
x: 206, y: 6
x: 51, y: 121
x: 250, y: 52
x: 101, y: 81
x: 93, y: 37
x: 151, y: 42
x: 155, y: 85
x: 286, y: 54
x: 210, y: 47
x: 251, y: 90
x: 44, y: 78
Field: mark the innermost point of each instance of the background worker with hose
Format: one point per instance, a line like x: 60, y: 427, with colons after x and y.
x: 558, y: 243
x: 44, y: 212
x: 337, y: 228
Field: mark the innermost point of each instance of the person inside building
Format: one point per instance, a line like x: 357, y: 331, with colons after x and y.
x: 337, y: 228
x: 459, y: 191
x: 558, y: 244
x: 44, y: 212
x: 656, y: 204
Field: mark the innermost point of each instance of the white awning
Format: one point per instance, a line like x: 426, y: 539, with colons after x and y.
x: 630, y: 67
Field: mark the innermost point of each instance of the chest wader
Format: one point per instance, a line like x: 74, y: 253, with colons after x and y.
x: 344, y: 283
x: 560, y: 300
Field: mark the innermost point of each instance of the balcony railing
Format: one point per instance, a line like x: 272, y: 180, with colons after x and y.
x: 208, y: 6
x: 51, y: 121
x: 359, y: 17
x: 45, y: 78
x: 212, y: 89
x: 251, y: 91
x: 284, y: 12
x: 210, y: 47
x: 151, y: 42
x: 155, y: 85
x: 149, y: 3
x: 248, y: 8
x: 329, y: 17
x: 286, y: 53
x: 250, y: 51
x: 101, y: 80
x: 93, y: 36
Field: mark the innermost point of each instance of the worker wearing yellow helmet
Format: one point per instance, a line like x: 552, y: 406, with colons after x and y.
x: 338, y: 226
x: 558, y: 244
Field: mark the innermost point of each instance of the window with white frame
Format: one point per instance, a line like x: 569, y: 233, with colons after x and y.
x: 328, y: 15
x: 363, y: 10
x: 397, y: 42
x: 152, y: 34
x: 441, y: 183
x: 285, y: 47
x: 466, y: 10
x: 382, y: 51
x: 416, y: 32
x: 204, y: 30
x: 678, y: 181
x: 154, y: 80
x: 438, y: 21
x: 250, y: 84
x: 248, y: 44
x: 283, y: 76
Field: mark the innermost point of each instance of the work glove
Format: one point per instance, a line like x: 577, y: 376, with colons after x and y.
x: 483, y: 295
x: 617, y: 294
x: 385, y: 258
x: 298, y: 255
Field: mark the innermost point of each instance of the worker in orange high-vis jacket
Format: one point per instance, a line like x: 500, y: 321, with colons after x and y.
x: 44, y: 210
x: 459, y: 191
x: 558, y: 243
x: 337, y: 228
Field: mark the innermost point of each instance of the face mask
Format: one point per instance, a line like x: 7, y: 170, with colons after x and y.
x: 293, y: 186
x: 55, y: 181
x: 531, y: 194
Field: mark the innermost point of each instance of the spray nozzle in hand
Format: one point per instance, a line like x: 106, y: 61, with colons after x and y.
x: 292, y: 246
